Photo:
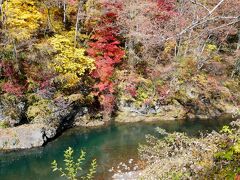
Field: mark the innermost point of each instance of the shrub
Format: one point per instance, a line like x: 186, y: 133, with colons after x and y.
x: 236, y: 70
x: 214, y: 156
x: 4, y: 124
x: 73, y: 167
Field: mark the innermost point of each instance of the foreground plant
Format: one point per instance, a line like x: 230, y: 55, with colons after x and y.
x: 177, y: 156
x: 72, y: 168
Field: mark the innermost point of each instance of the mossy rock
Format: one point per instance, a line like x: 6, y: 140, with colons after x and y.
x: 33, y: 98
x: 11, y: 109
x: 4, y: 124
x: 41, y: 110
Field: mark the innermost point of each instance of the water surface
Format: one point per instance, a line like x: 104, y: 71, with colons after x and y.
x: 109, y: 145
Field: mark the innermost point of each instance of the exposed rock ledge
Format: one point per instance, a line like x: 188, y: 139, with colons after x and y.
x: 48, y: 119
x: 128, y: 112
x: 24, y: 137
x: 33, y: 135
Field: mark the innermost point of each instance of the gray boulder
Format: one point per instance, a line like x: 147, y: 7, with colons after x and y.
x: 23, y: 137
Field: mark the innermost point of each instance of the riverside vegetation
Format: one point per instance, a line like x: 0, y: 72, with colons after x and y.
x: 176, y: 156
x: 72, y: 168
x: 66, y: 63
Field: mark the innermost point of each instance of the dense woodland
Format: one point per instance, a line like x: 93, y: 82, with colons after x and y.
x: 148, y: 50
x: 169, y: 59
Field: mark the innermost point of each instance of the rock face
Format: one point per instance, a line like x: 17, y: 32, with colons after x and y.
x: 82, y: 119
x: 57, y: 114
x: 46, y: 119
x: 23, y: 137
x: 49, y: 117
x: 11, y: 110
x: 130, y: 113
x: 188, y: 101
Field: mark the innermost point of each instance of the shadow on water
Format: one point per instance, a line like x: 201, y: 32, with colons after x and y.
x: 109, y: 145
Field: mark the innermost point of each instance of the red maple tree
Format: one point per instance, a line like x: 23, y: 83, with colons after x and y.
x: 105, y: 48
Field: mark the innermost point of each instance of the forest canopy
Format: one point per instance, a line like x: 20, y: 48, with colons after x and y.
x: 149, y: 51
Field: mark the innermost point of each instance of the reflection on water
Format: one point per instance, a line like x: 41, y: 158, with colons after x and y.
x: 109, y: 145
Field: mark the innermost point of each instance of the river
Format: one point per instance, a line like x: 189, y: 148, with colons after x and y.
x: 109, y: 145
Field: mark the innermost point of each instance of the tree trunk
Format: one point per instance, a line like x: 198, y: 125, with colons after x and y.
x: 77, y: 23
x: 65, y: 13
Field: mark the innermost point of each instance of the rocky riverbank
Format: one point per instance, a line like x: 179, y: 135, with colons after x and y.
x: 37, y: 134
x: 174, y: 111
x: 37, y: 120
x: 24, y: 127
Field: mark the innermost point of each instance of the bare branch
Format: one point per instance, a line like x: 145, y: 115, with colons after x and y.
x: 77, y: 22
x: 206, y: 21
x: 220, y: 2
x: 199, y: 4
x: 225, y: 25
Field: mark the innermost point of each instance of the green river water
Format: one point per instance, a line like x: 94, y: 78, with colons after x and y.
x: 109, y: 145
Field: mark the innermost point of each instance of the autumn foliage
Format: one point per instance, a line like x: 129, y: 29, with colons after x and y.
x: 82, y: 46
x: 105, y: 48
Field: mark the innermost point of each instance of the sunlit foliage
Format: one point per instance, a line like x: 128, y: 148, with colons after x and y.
x: 70, y: 62
x: 22, y: 18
